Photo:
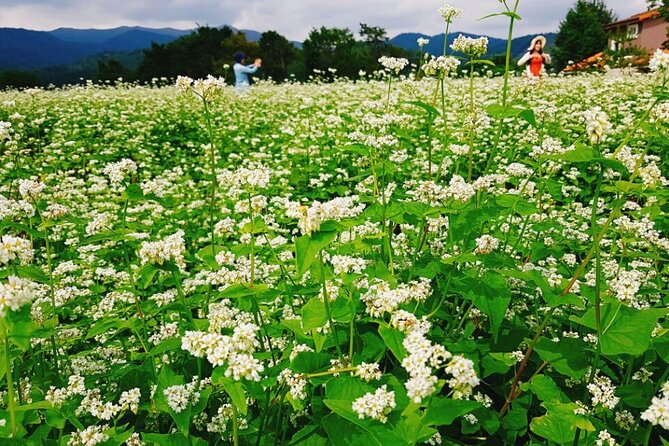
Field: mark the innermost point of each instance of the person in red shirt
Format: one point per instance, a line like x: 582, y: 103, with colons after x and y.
x: 535, y: 58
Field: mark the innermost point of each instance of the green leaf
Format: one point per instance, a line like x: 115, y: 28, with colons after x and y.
x: 310, y: 362
x: 307, y: 248
x: 134, y: 192
x: 568, y: 356
x: 173, y: 439
x: 492, y: 296
x: 517, y: 203
x: 528, y: 115
x: 624, y: 330
x: 145, y: 275
x: 509, y: 14
x: 393, y: 340
x: 444, y: 411
x: 314, y: 314
x: 547, y: 391
x: 560, y: 423
x: 235, y: 389
x: 433, y: 112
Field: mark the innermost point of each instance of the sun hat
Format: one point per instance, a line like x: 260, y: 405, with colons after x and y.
x: 535, y: 40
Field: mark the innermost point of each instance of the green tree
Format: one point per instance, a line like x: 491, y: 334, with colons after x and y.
x: 18, y: 79
x: 331, y: 48
x: 111, y: 70
x: 277, y: 54
x: 581, y: 33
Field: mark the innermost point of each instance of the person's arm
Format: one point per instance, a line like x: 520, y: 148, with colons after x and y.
x: 547, y: 59
x: 523, y: 60
x: 249, y: 69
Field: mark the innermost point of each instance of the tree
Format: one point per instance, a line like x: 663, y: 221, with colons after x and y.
x: 581, y: 33
x: 330, y: 48
x: 111, y: 70
x: 18, y: 79
x: 277, y: 54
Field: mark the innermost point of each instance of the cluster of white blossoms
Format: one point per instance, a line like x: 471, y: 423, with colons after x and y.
x: 375, y: 405
x: 597, y: 124
x: 442, y: 65
x: 423, y: 357
x: 346, y: 264
x: 395, y: 64
x: 625, y: 286
x: 180, y: 396
x: 31, y: 189
x: 658, y: 412
x: 245, y: 178
x: 486, y: 244
x: 368, y: 371
x: 380, y: 298
x: 604, y: 438
x: 170, y: 249
x: 5, y: 130
x: 90, y: 436
x: 659, y: 63
x: 602, y: 392
x: 12, y: 248
x: 464, y: 377
x: 310, y: 218
x: 469, y: 46
x: 15, y: 293
x: 422, y: 42
x: 75, y: 386
x: 203, y: 88
x: 118, y: 171
x: 432, y: 193
x: 296, y: 383
x: 236, y: 350
x: 449, y: 12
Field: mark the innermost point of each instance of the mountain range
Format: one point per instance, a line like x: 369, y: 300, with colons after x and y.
x: 25, y: 49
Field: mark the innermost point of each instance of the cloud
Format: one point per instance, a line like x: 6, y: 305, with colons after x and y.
x: 293, y: 18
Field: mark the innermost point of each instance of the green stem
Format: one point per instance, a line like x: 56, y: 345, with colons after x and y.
x: 10, y: 386
x: 326, y: 301
x: 212, y: 160
x: 235, y: 426
x: 472, y: 114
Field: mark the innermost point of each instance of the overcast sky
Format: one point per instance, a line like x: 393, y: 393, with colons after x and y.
x: 292, y: 18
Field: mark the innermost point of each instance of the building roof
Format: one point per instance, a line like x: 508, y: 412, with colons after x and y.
x: 636, y: 18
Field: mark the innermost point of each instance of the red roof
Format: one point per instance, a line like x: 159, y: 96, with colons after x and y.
x: 636, y: 18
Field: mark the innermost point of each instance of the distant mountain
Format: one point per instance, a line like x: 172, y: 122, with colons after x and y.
x: 102, y: 35
x: 495, y: 46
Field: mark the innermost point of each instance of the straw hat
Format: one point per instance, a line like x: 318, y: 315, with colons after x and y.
x: 542, y: 39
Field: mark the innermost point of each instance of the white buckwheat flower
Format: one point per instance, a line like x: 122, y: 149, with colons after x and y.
x: 449, y: 12
x: 375, y: 405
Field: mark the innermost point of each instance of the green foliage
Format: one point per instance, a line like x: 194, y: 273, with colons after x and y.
x: 580, y: 34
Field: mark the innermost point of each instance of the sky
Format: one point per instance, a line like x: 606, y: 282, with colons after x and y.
x: 293, y: 18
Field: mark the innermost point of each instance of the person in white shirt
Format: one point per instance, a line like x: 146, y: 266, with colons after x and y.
x: 536, y: 57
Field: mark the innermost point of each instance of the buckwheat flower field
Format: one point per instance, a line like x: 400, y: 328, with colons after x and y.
x: 343, y: 263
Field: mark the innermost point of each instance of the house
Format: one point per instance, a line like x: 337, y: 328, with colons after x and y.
x: 647, y: 30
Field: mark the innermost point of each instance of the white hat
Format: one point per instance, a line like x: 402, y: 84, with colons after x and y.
x: 535, y: 40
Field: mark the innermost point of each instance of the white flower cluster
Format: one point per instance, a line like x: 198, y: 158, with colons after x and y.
x: 659, y: 63
x: 5, y: 130
x: 422, y: 42
x: 602, y: 392
x: 244, y: 178
x: 368, y: 371
x: 171, y: 248
x: 296, y: 384
x: 486, y: 244
x: 203, y: 88
x: 310, y: 218
x: 15, y: 248
x: 345, y: 264
x: 236, y: 350
x: 432, y: 193
x: 442, y: 65
x: 180, y: 396
x: 597, y: 124
x: 118, y: 171
x: 423, y: 357
x: 625, y: 286
x: 380, y: 298
x: 464, y: 377
x: 395, y: 64
x: 30, y: 189
x: 90, y: 436
x: 658, y: 412
x: 469, y: 46
x: 55, y: 210
x: 449, y: 12
x: 604, y: 438
x: 15, y: 293
x: 375, y: 405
